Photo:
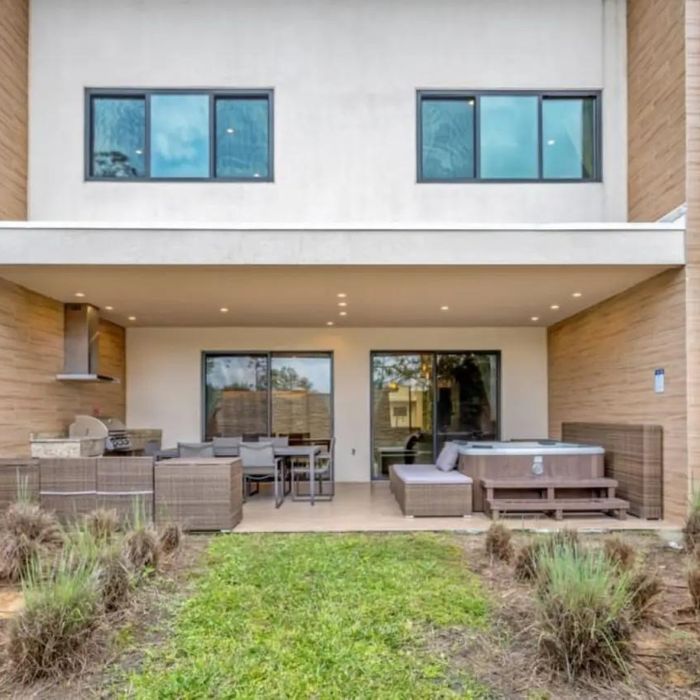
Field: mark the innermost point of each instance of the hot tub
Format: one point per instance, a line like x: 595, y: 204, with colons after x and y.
x: 528, y: 458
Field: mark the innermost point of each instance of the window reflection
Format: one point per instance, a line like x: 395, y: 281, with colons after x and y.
x: 447, y: 138
x: 236, y: 395
x: 179, y: 136
x: 422, y: 400
x: 118, y: 135
x: 402, y: 406
x: 508, y: 137
x: 269, y: 394
x: 467, y: 390
x: 568, y: 136
x: 301, y: 395
x: 242, y: 137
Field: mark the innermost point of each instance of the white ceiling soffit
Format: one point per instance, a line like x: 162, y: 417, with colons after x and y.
x: 308, y: 296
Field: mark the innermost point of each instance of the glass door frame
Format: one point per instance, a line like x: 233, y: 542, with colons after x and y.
x: 269, y: 354
x: 434, y: 357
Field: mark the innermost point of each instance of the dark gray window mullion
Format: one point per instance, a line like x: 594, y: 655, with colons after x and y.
x: 147, y: 136
x: 270, y: 139
x: 419, y: 136
x: 212, y: 135
x: 540, y: 145
x: 477, y: 137
x: 90, y: 148
x: 269, y: 393
x: 598, y: 136
x: 435, y: 405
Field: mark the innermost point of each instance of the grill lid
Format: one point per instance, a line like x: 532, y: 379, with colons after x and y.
x: 88, y: 426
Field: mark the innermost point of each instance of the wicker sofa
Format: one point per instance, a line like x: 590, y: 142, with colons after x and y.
x: 425, y: 490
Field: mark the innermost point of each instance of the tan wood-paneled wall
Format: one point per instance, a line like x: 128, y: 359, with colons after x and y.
x: 656, y: 107
x: 31, y: 354
x: 601, y: 369
x: 692, y: 270
x: 14, y: 33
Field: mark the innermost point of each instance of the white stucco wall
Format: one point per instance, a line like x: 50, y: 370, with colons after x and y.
x: 345, y: 76
x: 164, y: 376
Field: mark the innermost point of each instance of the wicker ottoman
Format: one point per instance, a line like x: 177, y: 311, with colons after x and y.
x: 425, y: 490
x: 199, y: 493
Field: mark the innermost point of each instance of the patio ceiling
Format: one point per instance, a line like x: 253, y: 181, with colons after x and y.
x: 307, y: 296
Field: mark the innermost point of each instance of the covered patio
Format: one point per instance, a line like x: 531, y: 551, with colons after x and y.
x: 190, y: 294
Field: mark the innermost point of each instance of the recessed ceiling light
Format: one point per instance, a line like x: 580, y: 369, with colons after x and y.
x: 551, y: 142
x: 80, y: 294
x: 342, y: 303
x: 138, y: 152
x: 230, y: 130
x: 554, y: 307
x: 343, y: 313
x: 341, y: 295
x: 109, y: 308
x: 132, y: 318
x: 577, y: 295
x: 444, y: 308
x: 329, y: 323
x: 534, y: 318
x: 223, y: 310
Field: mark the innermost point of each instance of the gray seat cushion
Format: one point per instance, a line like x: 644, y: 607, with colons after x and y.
x: 428, y: 474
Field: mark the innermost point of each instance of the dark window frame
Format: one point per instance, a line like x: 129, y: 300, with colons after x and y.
x: 434, y: 353
x: 542, y: 95
x: 269, y: 354
x: 213, y: 94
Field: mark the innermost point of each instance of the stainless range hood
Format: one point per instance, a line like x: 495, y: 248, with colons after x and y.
x: 81, y: 345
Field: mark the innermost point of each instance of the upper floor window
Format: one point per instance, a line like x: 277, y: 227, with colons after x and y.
x: 179, y: 135
x: 514, y: 136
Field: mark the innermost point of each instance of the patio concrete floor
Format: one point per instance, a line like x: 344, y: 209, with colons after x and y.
x: 368, y: 507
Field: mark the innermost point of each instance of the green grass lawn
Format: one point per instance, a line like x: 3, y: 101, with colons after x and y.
x: 318, y: 616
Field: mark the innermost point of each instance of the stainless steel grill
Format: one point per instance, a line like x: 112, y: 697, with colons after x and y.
x: 112, y: 430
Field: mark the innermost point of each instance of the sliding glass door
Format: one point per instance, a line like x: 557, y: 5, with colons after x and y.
x: 402, y: 410
x: 253, y: 394
x: 420, y: 400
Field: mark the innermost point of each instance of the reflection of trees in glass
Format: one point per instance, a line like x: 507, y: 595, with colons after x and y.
x: 401, y: 369
x: 288, y: 379
x: 113, y: 164
x: 118, y: 135
x: 247, y: 374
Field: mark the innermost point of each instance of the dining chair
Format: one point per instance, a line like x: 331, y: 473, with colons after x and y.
x: 324, y: 473
x: 261, y: 466
x: 277, y: 441
x: 188, y: 450
x: 227, y: 446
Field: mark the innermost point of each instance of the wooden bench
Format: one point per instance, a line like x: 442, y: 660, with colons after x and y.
x: 549, y: 499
